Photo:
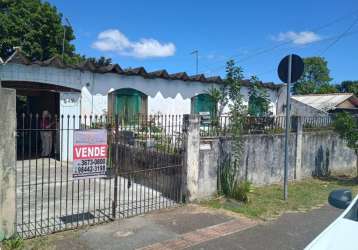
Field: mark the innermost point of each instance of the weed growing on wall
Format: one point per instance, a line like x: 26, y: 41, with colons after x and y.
x: 237, y: 110
x: 229, y: 184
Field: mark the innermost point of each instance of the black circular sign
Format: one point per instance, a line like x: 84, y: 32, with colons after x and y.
x: 296, y: 69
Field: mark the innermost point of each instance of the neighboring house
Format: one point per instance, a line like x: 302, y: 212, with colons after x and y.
x: 323, y: 104
x: 89, y: 90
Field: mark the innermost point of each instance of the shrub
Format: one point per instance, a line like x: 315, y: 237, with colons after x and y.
x: 13, y: 243
x: 232, y: 187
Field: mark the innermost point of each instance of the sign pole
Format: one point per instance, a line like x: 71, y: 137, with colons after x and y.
x: 288, y: 123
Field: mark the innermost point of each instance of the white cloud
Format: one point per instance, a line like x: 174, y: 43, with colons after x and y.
x: 113, y: 40
x: 297, y: 38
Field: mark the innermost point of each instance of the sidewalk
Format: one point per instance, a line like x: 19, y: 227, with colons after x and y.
x: 195, y: 227
x: 176, y: 228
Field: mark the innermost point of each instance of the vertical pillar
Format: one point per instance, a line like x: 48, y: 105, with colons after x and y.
x: 299, y: 131
x: 191, y: 156
x: 7, y: 163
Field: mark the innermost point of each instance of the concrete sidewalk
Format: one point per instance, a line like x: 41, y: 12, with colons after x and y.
x: 195, y: 227
x: 291, y: 231
x: 176, y: 228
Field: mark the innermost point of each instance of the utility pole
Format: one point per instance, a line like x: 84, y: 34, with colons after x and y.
x: 64, y: 36
x: 196, y: 52
x: 290, y: 70
x: 288, y: 125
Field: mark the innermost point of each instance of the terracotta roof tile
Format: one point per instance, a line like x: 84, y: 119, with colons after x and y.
x: 20, y: 58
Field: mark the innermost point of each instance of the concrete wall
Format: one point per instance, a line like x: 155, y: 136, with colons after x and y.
x: 191, y: 129
x: 262, y: 161
x: 209, y: 158
x: 7, y: 162
x: 325, y: 150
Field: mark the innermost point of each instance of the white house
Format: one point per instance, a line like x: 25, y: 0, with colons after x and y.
x: 90, y: 90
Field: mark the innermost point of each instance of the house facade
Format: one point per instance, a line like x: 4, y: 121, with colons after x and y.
x: 88, y: 90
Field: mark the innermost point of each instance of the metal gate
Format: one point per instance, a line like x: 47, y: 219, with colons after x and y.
x: 144, y: 171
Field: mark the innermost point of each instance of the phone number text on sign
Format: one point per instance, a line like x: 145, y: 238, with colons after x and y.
x: 89, y: 153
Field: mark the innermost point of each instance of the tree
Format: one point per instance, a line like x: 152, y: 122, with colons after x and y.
x: 326, y: 89
x: 230, y: 89
x: 349, y: 87
x: 237, y: 110
x: 102, y: 61
x: 315, y: 76
x: 347, y: 128
x: 37, y: 27
x: 259, y: 102
x: 230, y: 183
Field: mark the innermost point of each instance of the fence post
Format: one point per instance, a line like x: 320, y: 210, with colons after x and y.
x: 115, y: 167
x: 299, y: 132
x: 7, y: 163
x: 191, y: 157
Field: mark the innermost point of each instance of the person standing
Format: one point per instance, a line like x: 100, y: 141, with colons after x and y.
x: 46, y: 134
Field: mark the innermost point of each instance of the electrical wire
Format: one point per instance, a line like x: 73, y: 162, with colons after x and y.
x: 272, y: 48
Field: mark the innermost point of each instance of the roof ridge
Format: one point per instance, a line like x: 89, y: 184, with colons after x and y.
x: 338, y: 93
x: 21, y: 58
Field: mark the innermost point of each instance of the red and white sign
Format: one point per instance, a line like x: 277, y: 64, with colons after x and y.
x: 89, y: 153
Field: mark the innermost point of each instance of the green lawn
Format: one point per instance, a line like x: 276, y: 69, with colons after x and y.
x: 267, y: 202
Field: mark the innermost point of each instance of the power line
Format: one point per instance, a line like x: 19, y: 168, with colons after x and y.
x: 323, y: 40
x: 340, y: 36
x: 269, y: 49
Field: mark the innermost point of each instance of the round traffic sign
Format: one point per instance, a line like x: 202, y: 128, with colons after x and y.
x: 297, y: 68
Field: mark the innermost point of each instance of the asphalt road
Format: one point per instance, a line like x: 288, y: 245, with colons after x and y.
x: 290, y: 231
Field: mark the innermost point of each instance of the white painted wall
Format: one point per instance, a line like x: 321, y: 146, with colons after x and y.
x: 160, y: 105
x: 164, y: 96
x: 273, y: 97
x: 70, y: 105
x: 95, y: 104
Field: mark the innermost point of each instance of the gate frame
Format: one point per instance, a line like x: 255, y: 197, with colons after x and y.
x: 166, y: 191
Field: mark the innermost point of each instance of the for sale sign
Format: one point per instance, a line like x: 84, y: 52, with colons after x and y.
x: 89, y: 153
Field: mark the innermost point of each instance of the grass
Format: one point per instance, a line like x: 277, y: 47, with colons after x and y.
x: 267, y: 202
x: 14, y: 243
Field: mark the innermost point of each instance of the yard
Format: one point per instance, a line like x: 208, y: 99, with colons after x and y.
x: 267, y: 202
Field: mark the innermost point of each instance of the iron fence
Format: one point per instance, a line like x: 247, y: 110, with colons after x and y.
x: 317, y: 122
x: 222, y: 126
x: 143, y: 174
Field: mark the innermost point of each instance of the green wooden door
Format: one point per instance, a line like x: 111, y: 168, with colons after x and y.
x: 204, y: 103
x: 128, y: 104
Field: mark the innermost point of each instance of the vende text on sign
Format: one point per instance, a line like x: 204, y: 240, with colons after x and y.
x: 89, y: 153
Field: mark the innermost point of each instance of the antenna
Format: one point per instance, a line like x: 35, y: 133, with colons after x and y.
x: 196, y: 52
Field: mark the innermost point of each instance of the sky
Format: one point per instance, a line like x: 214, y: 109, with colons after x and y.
x: 161, y: 34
